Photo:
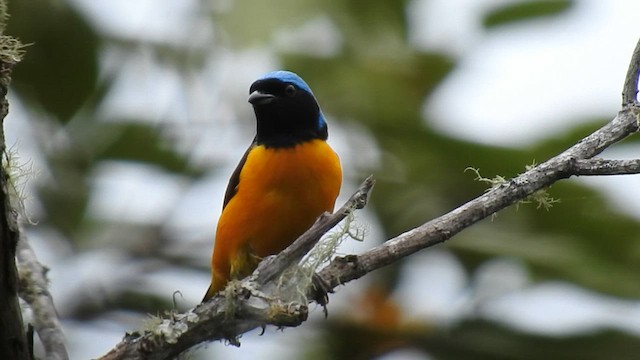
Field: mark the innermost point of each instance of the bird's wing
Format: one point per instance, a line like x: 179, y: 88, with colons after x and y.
x: 234, y: 181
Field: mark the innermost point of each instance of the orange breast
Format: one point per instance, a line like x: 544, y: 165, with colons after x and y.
x: 280, y: 194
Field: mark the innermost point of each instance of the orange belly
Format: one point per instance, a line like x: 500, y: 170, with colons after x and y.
x: 281, y: 193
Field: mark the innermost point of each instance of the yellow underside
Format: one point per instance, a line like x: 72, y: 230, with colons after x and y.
x: 280, y: 194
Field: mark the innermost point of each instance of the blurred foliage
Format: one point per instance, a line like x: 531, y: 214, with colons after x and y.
x: 471, y: 340
x: 423, y: 172
x: 59, y: 77
x: 377, y: 327
x: 378, y: 80
x: 59, y: 73
x: 138, y: 142
x: 526, y: 10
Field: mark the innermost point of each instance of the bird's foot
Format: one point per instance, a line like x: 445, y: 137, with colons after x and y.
x: 320, y: 292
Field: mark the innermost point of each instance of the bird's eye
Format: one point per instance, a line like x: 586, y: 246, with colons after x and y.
x: 290, y: 90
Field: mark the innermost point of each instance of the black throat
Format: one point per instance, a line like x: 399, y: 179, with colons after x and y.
x: 288, y: 121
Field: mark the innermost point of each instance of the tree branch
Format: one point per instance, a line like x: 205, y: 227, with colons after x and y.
x: 243, y: 305
x: 569, y: 163
x: 606, y: 167
x: 630, y: 88
x: 253, y: 302
x: 34, y: 290
x: 273, y: 267
x: 13, y: 340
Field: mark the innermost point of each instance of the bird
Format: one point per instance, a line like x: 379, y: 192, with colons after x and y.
x: 286, y: 179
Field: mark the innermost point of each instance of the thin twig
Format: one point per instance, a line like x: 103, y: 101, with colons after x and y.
x: 310, y: 238
x: 630, y: 88
x: 603, y: 167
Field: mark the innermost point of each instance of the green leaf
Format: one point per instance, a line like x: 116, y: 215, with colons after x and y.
x: 525, y: 11
x: 143, y: 143
x: 59, y: 71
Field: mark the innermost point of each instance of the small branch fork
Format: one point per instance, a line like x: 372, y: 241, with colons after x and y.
x: 246, y: 305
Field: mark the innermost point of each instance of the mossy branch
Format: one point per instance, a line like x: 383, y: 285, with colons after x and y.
x: 13, y: 340
x: 578, y: 160
x: 244, y: 305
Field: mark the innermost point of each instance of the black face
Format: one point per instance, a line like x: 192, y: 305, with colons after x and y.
x: 286, y: 114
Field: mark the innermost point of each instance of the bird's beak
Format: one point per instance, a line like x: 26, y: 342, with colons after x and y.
x: 258, y: 98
